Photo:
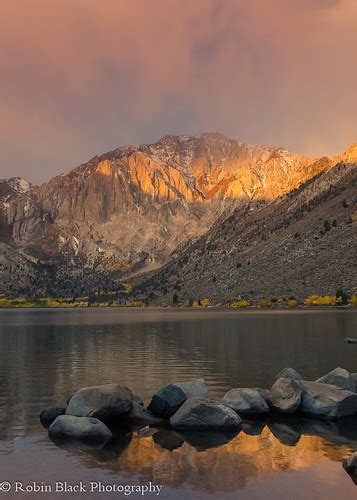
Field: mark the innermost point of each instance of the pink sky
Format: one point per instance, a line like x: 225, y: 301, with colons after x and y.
x: 80, y: 77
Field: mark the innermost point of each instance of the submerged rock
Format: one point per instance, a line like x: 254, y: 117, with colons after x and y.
x: 86, y: 430
x: 245, y: 401
x: 326, y: 401
x: 48, y: 415
x: 339, y: 377
x: 105, y: 402
x: 169, y: 399
x: 285, y: 395
x: 289, y: 373
x: 201, y: 415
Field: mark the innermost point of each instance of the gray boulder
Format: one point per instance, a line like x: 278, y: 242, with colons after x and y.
x: 245, y: 401
x: 199, y: 414
x: 86, y: 430
x: 354, y: 381
x: 169, y: 399
x: 48, y: 415
x: 285, y: 395
x: 339, y: 377
x: 289, y: 373
x: 140, y: 416
x: 263, y: 392
x: 138, y: 399
x: 105, y: 402
x: 326, y: 401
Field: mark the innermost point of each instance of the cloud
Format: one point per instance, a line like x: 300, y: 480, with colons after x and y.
x: 80, y: 76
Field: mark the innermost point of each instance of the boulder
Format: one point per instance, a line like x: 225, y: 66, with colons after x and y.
x: 140, y: 417
x: 199, y: 414
x: 339, y: 377
x: 105, y: 402
x: 245, y: 401
x: 169, y: 399
x: 354, y: 381
x: 326, y: 401
x: 86, y: 430
x: 263, y: 392
x: 285, y: 395
x: 289, y: 373
x: 48, y: 415
x: 138, y: 399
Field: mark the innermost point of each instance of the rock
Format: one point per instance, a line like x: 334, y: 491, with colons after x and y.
x: 140, y: 417
x: 105, y: 402
x: 86, y: 430
x: 245, y: 401
x: 263, y: 392
x: 289, y: 373
x: 339, y: 377
x: 199, y: 414
x: 48, y: 415
x: 169, y: 399
x: 285, y: 395
x: 147, y: 432
x: 138, y: 399
x: 326, y: 401
x: 354, y: 381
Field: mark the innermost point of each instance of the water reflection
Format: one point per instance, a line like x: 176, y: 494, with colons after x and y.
x: 218, y: 462
x: 44, y: 356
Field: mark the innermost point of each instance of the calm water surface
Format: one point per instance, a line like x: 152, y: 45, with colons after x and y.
x: 46, y: 355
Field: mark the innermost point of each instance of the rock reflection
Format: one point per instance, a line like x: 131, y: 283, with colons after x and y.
x: 218, y: 462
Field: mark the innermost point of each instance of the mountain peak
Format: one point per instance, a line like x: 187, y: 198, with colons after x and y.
x: 351, y: 154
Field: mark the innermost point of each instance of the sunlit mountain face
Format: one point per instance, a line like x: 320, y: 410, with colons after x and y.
x: 132, y: 210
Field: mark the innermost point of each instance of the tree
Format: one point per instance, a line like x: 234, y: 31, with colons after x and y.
x: 342, y: 296
x: 175, y: 298
x: 327, y: 225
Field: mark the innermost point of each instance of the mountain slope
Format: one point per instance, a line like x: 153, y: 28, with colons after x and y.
x: 284, y: 248
x: 131, y: 210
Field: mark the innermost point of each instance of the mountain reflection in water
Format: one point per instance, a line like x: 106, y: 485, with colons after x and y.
x: 45, y: 355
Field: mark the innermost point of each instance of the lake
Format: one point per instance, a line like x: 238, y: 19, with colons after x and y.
x: 47, y: 354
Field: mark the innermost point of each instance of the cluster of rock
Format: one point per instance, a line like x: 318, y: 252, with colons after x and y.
x: 93, y: 413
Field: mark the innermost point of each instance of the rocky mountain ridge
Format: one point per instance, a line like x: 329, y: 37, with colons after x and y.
x: 132, y: 210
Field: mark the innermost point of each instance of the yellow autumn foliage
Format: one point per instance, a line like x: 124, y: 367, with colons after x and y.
x: 241, y: 303
x: 292, y: 303
x: 322, y: 300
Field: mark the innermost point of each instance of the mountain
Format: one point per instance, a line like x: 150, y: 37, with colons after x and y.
x: 300, y: 244
x: 140, y: 209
